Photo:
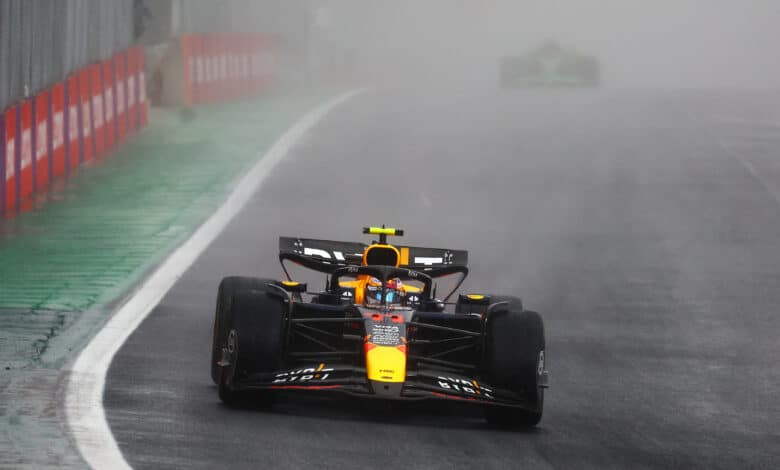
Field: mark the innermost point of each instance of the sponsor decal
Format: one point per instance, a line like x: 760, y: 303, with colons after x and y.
x: 469, y: 387
x: 307, y: 251
x: 58, y: 131
x: 431, y: 260
x: 86, y: 118
x: 40, y: 141
x: 131, y: 89
x: 10, y: 168
x: 73, y: 123
x: 142, y: 88
x: 308, y: 374
x: 97, y: 105
x: 120, y: 98
x: 110, y: 102
x: 199, y: 72
x: 385, y: 335
x: 26, y: 147
x: 323, y: 254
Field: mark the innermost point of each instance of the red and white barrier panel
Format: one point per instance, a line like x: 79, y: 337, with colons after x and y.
x: 222, y: 67
x: 73, y: 122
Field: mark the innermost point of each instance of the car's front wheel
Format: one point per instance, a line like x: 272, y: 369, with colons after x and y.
x: 254, y: 341
x: 228, y: 287
x: 514, y: 360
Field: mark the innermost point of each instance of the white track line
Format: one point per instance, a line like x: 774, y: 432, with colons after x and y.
x: 84, y: 411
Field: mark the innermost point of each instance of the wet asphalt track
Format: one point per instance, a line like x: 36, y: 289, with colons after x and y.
x: 645, y: 228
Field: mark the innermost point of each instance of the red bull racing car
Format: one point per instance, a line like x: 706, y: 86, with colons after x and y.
x: 378, y: 330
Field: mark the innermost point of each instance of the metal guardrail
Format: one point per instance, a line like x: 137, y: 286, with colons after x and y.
x: 42, y: 41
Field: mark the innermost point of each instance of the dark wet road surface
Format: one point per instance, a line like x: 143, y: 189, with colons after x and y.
x: 644, y: 227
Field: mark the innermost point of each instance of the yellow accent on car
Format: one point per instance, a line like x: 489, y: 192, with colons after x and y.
x: 291, y: 283
x: 386, y: 364
x: 475, y: 296
x: 404, y: 256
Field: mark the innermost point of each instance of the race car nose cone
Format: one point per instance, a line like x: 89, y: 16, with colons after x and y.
x: 386, y: 364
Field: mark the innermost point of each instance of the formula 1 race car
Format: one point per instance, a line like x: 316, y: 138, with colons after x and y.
x: 550, y: 66
x: 378, y: 330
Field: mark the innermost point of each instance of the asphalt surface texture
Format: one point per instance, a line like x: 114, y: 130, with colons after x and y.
x: 644, y: 226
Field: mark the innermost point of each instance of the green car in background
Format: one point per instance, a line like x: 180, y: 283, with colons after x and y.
x: 550, y: 66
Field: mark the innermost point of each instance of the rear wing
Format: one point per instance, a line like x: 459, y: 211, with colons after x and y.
x: 328, y: 255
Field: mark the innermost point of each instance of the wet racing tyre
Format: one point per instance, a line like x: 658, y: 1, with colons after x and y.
x: 514, y: 360
x: 255, y: 339
x: 228, y: 287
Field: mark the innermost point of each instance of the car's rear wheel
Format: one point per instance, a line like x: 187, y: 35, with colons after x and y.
x: 255, y: 340
x: 227, y: 288
x: 514, y: 360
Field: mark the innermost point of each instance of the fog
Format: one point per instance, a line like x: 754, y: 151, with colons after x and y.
x: 639, y: 43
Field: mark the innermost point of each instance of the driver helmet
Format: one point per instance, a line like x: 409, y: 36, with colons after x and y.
x: 393, y: 292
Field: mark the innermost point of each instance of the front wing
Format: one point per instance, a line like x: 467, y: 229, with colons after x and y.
x: 419, y: 385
